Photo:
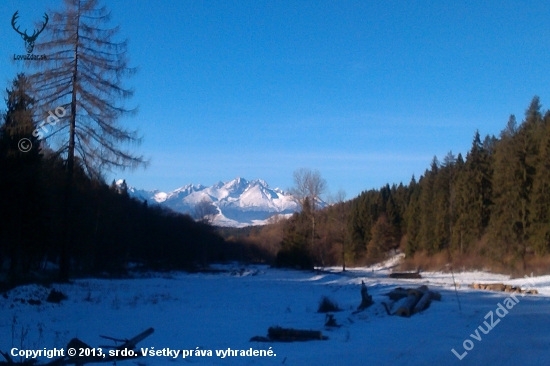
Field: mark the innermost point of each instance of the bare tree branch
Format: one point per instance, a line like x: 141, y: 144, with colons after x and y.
x: 83, y: 72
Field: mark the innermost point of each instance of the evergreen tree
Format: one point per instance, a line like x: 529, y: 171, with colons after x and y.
x: 383, y: 238
x: 412, y: 219
x: 22, y: 204
x: 428, y: 213
x: 515, y: 160
x: 474, y: 196
x: 539, y: 233
x: 507, y: 192
x: 363, y: 215
x: 443, y: 204
x: 295, y: 249
x: 17, y: 137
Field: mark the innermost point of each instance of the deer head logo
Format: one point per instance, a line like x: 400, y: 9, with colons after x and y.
x: 29, y: 40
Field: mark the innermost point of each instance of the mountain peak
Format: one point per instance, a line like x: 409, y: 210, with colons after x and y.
x: 239, y: 202
x: 236, y: 184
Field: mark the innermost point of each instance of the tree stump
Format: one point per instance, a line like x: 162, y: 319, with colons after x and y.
x: 366, y: 299
x: 330, y: 321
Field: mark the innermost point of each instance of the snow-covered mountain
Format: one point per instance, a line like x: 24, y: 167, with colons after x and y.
x: 239, y: 202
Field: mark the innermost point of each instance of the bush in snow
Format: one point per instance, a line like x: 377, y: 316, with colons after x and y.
x: 327, y: 305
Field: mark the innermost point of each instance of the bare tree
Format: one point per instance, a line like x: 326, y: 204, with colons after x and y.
x: 308, y: 184
x: 308, y: 187
x: 205, y: 211
x: 83, y: 73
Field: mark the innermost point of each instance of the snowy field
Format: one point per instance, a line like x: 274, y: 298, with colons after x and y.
x: 221, y: 311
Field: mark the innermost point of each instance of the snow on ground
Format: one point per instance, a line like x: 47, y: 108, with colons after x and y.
x: 217, y: 311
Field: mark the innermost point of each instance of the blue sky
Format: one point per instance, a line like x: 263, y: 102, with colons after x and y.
x: 367, y: 92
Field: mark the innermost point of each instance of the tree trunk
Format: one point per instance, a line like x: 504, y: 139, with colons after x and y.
x: 67, y: 242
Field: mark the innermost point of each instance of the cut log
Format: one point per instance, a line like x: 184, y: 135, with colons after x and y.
x: 292, y: 335
x: 405, y: 275
x: 400, y: 293
x: 495, y: 287
x: 397, y: 304
x: 131, y: 343
x: 416, y: 291
x: 423, y: 303
x: 397, y: 294
x: 260, y: 339
x: 407, y: 308
x: 435, y: 296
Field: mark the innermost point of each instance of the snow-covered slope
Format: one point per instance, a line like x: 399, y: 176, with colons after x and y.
x: 239, y: 202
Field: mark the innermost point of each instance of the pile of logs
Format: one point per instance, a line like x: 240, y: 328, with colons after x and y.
x: 502, y: 287
x: 410, y: 301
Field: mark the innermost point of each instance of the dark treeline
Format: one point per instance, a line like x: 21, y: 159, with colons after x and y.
x: 109, y: 230
x: 493, y: 204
